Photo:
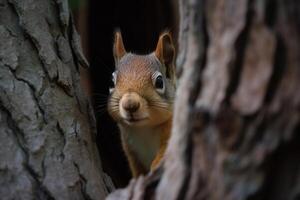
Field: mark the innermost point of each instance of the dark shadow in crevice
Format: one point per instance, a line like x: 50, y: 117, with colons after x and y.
x: 282, y: 170
x: 141, y: 22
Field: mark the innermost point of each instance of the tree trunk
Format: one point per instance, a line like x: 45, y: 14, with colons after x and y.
x: 47, y: 129
x: 236, y: 124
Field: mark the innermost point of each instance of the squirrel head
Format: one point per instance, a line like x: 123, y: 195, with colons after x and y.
x: 144, y: 85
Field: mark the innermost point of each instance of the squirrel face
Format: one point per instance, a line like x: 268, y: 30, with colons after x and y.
x: 144, y: 85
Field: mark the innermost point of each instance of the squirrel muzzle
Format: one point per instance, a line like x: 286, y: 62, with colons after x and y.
x: 130, y: 107
x: 130, y: 102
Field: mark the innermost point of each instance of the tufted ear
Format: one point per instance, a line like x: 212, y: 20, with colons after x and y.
x: 119, y: 50
x: 165, y: 52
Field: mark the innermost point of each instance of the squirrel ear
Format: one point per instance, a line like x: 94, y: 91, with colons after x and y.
x: 119, y: 50
x: 165, y: 52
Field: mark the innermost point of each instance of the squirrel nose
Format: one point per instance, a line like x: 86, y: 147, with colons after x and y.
x: 131, y: 105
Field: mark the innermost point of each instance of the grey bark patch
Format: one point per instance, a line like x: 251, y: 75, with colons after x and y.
x: 63, y: 49
x: 30, y: 69
x: 15, y: 181
x: 38, y: 31
x: 64, y: 78
x: 8, y: 49
x: 39, y: 87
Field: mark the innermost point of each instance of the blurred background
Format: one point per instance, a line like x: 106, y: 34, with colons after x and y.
x: 141, y: 22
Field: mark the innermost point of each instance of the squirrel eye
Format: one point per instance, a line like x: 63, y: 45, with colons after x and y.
x: 158, y: 82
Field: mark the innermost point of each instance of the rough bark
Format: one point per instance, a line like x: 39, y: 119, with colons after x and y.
x: 236, y: 124
x: 47, y: 130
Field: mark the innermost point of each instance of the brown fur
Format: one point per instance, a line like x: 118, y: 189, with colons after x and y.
x: 143, y: 114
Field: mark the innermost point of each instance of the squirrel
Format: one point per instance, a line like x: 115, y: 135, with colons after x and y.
x: 141, y: 102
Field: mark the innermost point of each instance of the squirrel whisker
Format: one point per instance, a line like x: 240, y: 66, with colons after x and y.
x: 142, y: 101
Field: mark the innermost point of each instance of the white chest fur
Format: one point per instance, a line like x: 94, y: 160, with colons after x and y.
x: 144, y: 142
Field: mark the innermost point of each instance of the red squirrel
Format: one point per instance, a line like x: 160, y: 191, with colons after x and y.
x: 141, y: 102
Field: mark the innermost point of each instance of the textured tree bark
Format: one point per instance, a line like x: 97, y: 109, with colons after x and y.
x: 47, y: 130
x: 236, y: 124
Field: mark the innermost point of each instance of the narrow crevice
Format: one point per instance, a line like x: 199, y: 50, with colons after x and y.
x: 44, y: 194
x: 83, y: 183
x: 187, y: 174
x: 205, y: 40
x: 92, y: 121
x: 281, y: 178
x: 43, y: 113
x: 152, y: 184
x: 203, y: 43
x: 32, y: 92
x: 278, y: 70
x: 80, y: 106
x: 57, y: 48
x: 42, y: 191
x: 271, y: 13
x: 43, y: 166
x: 203, y: 118
x: 19, y: 135
x: 249, y: 122
x: 241, y: 138
x: 239, y: 49
x: 260, y: 130
x: 76, y: 132
x: 229, y: 125
x: 62, y: 134
x: 10, y: 32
